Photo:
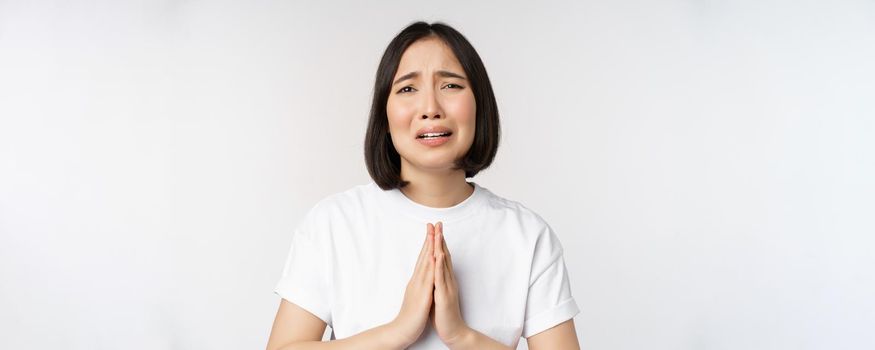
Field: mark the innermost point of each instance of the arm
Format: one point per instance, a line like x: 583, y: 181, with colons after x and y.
x: 472, y: 339
x: 562, y: 336
x: 297, y: 329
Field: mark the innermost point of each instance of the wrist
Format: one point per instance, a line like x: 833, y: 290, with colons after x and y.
x: 392, y: 336
x: 464, y: 340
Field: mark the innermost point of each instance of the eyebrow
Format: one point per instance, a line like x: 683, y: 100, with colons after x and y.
x: 441, y: 73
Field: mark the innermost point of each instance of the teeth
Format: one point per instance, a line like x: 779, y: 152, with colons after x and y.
x: 433, y: 134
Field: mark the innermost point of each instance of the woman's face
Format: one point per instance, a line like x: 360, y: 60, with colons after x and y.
x: 430, y: 93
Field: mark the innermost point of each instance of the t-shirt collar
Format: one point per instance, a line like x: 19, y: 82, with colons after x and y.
x: 431, y: 214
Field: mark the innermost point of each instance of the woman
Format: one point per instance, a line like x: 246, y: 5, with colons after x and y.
x: 420, y: 258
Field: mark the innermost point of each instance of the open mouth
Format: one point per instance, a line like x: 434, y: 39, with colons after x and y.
x: 433, y: 135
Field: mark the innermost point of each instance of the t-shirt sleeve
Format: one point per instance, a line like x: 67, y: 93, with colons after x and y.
x: 304, y: 281
x: 549, y: 301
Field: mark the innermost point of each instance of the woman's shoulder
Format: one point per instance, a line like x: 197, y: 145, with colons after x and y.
x: 544, y: 241
x: 338, y: 206
x: 514, y: 208
x: 349, y: 200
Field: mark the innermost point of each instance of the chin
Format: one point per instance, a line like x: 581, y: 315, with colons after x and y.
x: 435, y: 164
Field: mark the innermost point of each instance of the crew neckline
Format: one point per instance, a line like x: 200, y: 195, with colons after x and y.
x: 404, y: 204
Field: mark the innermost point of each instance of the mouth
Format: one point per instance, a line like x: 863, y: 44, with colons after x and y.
x: 433, y: 132
x: 434, y: 135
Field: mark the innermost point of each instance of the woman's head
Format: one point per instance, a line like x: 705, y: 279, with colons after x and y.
x: 430, y: 79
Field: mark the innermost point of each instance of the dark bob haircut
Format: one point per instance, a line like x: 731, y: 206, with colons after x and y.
x: 381, y: 157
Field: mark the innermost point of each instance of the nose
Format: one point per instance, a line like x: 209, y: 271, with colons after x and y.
x: 431, y: 106
x: 426, y: 116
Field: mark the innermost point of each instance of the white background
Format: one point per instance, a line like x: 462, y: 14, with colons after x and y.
x: 708, y: 165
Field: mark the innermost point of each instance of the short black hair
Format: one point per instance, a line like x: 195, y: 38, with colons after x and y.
x: 381, y: 157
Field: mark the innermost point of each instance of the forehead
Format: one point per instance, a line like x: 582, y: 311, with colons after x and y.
x: 430, y: 53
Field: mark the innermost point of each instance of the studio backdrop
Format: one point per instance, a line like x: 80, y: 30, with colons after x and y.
x: 707, y: 165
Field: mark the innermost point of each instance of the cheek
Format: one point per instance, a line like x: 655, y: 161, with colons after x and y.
x: 398, y: 114
x: 464, y: 108
x: 464, y: 111
x: 400, y: 117
x: 471, y: 108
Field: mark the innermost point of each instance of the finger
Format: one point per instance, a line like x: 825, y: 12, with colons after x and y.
x: 429, y: 272
x: 431, y: 234
x: 424, y: 249
x: 439, y: 273
x: 448, y: 275
x: 448, y: 258
x: 442, y: 272
x: 438, y: 237
x: 443, y: 239
x: 427, y: 259
x: 449, y: 262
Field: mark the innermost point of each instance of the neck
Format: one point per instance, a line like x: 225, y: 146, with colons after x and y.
x: 435, y: 188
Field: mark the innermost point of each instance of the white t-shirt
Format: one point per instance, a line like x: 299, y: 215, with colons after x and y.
x: 354, y: 252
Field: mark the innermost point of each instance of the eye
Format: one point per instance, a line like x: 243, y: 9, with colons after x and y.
x: 456, y: 85
x: 406, y: 87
